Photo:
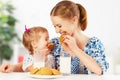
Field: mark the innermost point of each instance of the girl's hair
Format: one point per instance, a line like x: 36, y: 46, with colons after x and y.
x: 33, y: 33
x: 68, y: 9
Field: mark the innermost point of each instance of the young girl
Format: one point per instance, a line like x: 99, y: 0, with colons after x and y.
x: 35, y: 39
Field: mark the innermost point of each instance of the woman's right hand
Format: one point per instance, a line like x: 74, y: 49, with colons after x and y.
x: 69, y: 44
x: 6, y: 68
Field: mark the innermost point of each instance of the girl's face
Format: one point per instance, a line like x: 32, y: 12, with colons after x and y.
x: 64, y: 26
x: 43, y: 41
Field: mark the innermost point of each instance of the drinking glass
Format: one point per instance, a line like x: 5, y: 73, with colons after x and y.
x: 65, y: 63
x: 39, y: 59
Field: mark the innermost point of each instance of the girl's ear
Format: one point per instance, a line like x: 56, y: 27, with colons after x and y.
x: 33, y: 43
x: 75, y: 19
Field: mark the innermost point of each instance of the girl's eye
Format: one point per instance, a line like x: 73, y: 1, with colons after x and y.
x: 46, y: 39
x: 59, y: 26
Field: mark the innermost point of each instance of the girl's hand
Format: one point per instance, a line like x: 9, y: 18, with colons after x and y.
x: 41, y: 54
x: 69, y: 44
x: 44, y: 52
x: 6, y: 68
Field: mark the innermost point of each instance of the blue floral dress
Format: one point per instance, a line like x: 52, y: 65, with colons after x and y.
x: 93, y: 48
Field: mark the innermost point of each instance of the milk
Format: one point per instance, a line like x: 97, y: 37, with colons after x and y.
x: 39, y: 64
x: 65, y: 65
x: 39, y: 60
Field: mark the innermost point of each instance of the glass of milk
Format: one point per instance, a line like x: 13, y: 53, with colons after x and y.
x: 39, y: 59
x: 65, y: 63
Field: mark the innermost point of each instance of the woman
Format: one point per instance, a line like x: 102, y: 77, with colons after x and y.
x: 70, y: 19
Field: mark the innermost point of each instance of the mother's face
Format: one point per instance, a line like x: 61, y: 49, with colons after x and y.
x: 63, y: 26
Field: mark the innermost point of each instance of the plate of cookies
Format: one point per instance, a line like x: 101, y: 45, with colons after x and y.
x: 44, y: 72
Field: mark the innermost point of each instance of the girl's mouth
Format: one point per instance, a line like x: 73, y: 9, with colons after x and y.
x: 63, y: 33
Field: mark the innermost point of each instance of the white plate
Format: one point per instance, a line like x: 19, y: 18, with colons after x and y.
x: 45, y: 76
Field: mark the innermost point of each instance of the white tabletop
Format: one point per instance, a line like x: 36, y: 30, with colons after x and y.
x: 25, y: 76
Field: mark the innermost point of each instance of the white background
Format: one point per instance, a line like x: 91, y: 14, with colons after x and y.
x: 103, y: 20
x: 103, y: 17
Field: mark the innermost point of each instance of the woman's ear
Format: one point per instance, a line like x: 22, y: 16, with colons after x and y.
x: 75, y: 19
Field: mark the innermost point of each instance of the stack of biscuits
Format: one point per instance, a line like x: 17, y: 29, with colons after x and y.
x: 44, y: 71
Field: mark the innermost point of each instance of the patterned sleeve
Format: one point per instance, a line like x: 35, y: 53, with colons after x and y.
x: 56, y: 51
x: 28, y: 61
x: 96, y: 49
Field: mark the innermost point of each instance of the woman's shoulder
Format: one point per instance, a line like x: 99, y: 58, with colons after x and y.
x: 94, y: 38
x: 57, y: 46
x: 55, y: 40
x: 94, y: 42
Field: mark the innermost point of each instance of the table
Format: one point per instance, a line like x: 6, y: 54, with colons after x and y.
x: 25, y: 76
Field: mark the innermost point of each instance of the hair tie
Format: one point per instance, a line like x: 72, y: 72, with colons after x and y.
x: 26, y: 30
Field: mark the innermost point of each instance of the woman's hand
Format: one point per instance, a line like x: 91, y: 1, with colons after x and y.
x: 6, y: 67
x: 69, y: 44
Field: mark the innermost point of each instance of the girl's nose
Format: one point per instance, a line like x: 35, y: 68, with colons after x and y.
x: 48, y: 41
x: 57, y: 30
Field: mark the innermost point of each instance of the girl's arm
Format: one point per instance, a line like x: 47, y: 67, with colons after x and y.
x: 7, y: 67
x: 17, y: 67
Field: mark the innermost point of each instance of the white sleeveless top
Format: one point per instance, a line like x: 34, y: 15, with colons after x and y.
x: 28, y: 61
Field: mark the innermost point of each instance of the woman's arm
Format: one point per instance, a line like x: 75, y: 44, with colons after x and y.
x: 88, y: 61
x: 92, y: 58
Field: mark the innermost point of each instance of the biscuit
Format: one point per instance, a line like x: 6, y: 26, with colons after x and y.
x: 50, y: 46
x: 55, y: 72
x: 33, y: 71
x: 61, y: 38
x: 44, y: 71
